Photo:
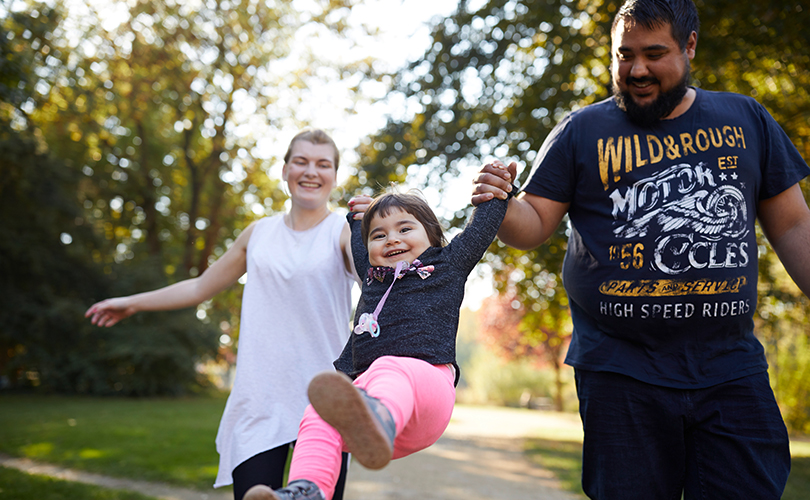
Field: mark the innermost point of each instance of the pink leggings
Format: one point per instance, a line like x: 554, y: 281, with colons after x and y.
x: 420, y: 397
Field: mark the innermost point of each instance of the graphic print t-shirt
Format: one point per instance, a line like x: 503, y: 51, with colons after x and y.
x: 661, y: 266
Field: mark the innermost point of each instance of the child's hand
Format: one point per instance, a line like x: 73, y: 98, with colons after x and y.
x: 359, y: 204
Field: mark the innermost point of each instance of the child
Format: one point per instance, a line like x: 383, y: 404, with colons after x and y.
x: 402, y: 356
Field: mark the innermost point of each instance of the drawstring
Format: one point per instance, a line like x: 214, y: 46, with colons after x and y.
x: 368, y: 322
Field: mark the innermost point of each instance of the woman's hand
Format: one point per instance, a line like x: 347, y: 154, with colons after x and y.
x: 359, y: 204
x: 110, y: 311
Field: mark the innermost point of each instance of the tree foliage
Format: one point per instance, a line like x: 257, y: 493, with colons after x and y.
x: 142, y: 155
x: 502, y: 319
x: 47, y: 280
x: 501, y: 73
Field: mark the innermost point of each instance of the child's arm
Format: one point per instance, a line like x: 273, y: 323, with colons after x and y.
x: 358, y: 248
x: 469, y: 246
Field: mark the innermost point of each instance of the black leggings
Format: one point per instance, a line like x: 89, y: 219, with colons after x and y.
x: 268, y: 468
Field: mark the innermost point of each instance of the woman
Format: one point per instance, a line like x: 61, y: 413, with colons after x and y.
x: 295, y: 315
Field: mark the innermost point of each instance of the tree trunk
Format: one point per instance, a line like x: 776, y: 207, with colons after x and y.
x: 215, y: 224
x: 195, y: 183
x: 148, y: 196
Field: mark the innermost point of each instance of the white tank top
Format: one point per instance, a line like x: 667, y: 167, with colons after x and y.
x: 295, y: 321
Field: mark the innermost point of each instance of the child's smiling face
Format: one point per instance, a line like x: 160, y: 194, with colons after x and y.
x: 398, y: 236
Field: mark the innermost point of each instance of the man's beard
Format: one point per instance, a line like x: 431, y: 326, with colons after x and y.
x: 661, y: 107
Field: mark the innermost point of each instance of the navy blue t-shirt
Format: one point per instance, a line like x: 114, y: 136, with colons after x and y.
x: 661, y: 266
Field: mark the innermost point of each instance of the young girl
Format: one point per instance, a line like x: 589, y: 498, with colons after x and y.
x: 402, y: 353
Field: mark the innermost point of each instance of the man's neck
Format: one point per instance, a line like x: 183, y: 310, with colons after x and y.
x: 684, y: 105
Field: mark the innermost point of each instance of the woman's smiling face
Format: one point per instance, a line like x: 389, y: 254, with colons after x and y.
x: 310, y: 174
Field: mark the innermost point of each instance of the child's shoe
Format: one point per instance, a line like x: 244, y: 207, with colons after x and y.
x: 366, y: 425
x: 296, y: 490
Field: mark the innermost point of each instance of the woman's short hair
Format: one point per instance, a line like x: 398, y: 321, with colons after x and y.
x: 315, y: 136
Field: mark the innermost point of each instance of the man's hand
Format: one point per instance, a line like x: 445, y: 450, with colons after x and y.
x: 494, y: 180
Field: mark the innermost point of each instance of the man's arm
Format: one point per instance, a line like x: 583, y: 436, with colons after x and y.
x: 530, y: 219
x: 785, y: 220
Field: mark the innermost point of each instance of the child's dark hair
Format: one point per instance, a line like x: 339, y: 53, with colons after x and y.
x: 407, y: 202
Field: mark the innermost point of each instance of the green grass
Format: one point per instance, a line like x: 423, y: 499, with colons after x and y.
x: 562, y: 456
x: 167, y: 440
x: 557, y: 447
x: 172, y: 440
x: 799, y: 481
x: 16, y: 485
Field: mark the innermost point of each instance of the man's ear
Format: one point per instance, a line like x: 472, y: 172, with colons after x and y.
x: 691, y: 45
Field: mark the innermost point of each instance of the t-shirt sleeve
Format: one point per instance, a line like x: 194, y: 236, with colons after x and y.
x: 553, y: 174
x: 782, y: 165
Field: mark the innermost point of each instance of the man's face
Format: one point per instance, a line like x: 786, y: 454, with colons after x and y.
x: 650, y: 72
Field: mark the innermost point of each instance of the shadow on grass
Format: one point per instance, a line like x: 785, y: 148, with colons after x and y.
x: 798, y: 484
x: 563, y: 458
x: 155, y: 439
x: 21, y: 486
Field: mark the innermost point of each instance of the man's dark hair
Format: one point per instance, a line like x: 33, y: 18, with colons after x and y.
x: 681, y: 15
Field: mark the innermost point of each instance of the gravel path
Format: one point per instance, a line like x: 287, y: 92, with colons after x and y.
x: 479, y: 458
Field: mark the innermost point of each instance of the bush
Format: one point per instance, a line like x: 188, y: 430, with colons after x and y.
x: 48, y: 280
x: 487, y: 379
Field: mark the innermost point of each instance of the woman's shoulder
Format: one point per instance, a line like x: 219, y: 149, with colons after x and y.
x: 267, y: 222
x: 337, y: 223
x: 263, y: 225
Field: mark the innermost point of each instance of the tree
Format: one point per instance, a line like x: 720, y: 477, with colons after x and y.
x: 165, y: 115
x: 501, y: 73
x: 503, y: 320
x: 47, y: 279
x: 152, y: 131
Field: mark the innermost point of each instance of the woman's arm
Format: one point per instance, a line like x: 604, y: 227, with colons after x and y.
x: 222, y: 273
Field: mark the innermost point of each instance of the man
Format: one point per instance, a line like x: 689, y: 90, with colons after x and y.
x: 662, y: 184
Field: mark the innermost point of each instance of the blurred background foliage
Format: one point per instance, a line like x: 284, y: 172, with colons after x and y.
x: 501, y: 73
x: 129, y: 162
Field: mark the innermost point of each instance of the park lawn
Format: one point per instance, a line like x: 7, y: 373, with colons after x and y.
x: 19, y: 485
x: 166, y: 440
x: 799, y: 481
x: 172, y: 440
x: 562, y: 456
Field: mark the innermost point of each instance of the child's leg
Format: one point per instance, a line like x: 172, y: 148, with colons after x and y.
x: 420, y: 397
x: 364, y: 423
x: 317, y: 454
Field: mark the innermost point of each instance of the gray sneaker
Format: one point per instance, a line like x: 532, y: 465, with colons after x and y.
x: 364, y: 423
x: 296, y: 490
